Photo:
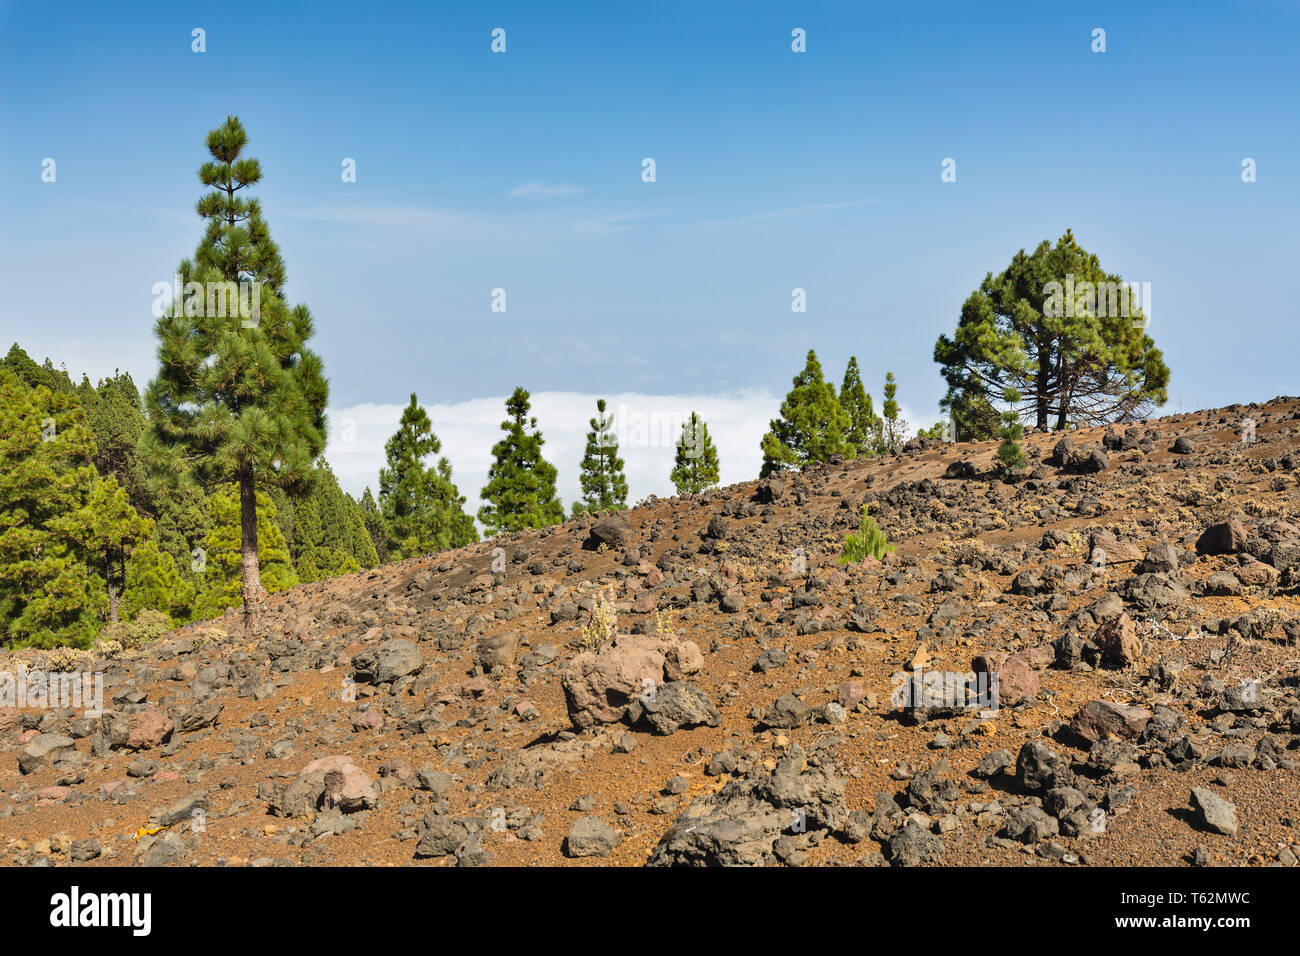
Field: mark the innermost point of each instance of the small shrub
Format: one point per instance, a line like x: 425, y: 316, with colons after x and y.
x: 147, y: 627
x: 603, y: 623
x: 109, y: 648
x: 867, y: 541
x: 65, y: 660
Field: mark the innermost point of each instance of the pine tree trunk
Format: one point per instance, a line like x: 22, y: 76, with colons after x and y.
x: 112, y: 603
x: 1062, y: 394
x: 253, y: 593
x: 1041, y: 386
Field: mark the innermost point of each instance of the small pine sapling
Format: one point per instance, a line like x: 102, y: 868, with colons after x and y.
x: 867, y: 541
x: 1010, y: 452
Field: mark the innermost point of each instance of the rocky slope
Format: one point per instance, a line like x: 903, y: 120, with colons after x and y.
x: 1135, y: 594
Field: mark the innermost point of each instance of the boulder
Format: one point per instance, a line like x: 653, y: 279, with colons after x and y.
x: 1119, y: 642
x: 770, y: 489
x: 1223, y: 537
x: 1039, y: 767
x: 498, y: 650
x: 393, y: 658
x: 42, y: 751
x: 591, y: 836
x: 1017, y: 681
x: 683, y: 659
x: 599, y: 685
x: 851, y: 693
x: 1115, y: 551
x: 333, y: 781
x: 677, y: 705
x: 1101, y: 718
x: 1213, y: 812
x: 1062, y: 452
x: 614, y: 532
x: 150, y: 729
x: 1161, y: 559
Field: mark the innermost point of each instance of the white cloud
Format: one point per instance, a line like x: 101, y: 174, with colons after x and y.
x: 647, y: 426
x: 545, y: 191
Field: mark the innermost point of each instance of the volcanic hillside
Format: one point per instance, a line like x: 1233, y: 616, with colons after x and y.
x: 700, y: 681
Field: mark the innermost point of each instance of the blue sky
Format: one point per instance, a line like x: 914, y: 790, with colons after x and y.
x: 775, y: 170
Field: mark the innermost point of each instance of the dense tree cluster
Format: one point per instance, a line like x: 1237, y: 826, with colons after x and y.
x: 86, y: 538
x: 816, y: 424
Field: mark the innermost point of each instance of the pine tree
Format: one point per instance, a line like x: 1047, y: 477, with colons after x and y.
x: 422, y: 508
x: 329, y: 534
x: 520, y: 491
x: 812, y: 426
x: 180, y: 513
x: 864, y: 432
x: 695, y: 466
x: 58, y: 379
x: 153, y: 582
x: 604, y: 486
x: 49, y: 594
x: 238, y: 398
x: 970, y: 411
x: 301, y: 522
x: 85, y: 393
x: 118, y: 422
x: 223, y: 556
x: 25, y: 367
x: 115, y: 530
x: 1061, y: 331
x: 356, y: 538
x: 1010, y: 452
x: 895, y: 429
x: 375, y: 527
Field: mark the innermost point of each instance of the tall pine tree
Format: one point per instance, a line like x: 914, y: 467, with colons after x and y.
x: 520, y: 491
x: 375, y: 526
x: 813, y: 426
x: 695, y: 466
x: 895, y: 429
x: 237, y: 399
x: 423, y: 511
x: 118, y: 422
x: 864, y: 426
x: 604, y: 486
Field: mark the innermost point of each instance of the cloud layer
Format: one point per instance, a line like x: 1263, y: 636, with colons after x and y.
x: 647, y: 427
